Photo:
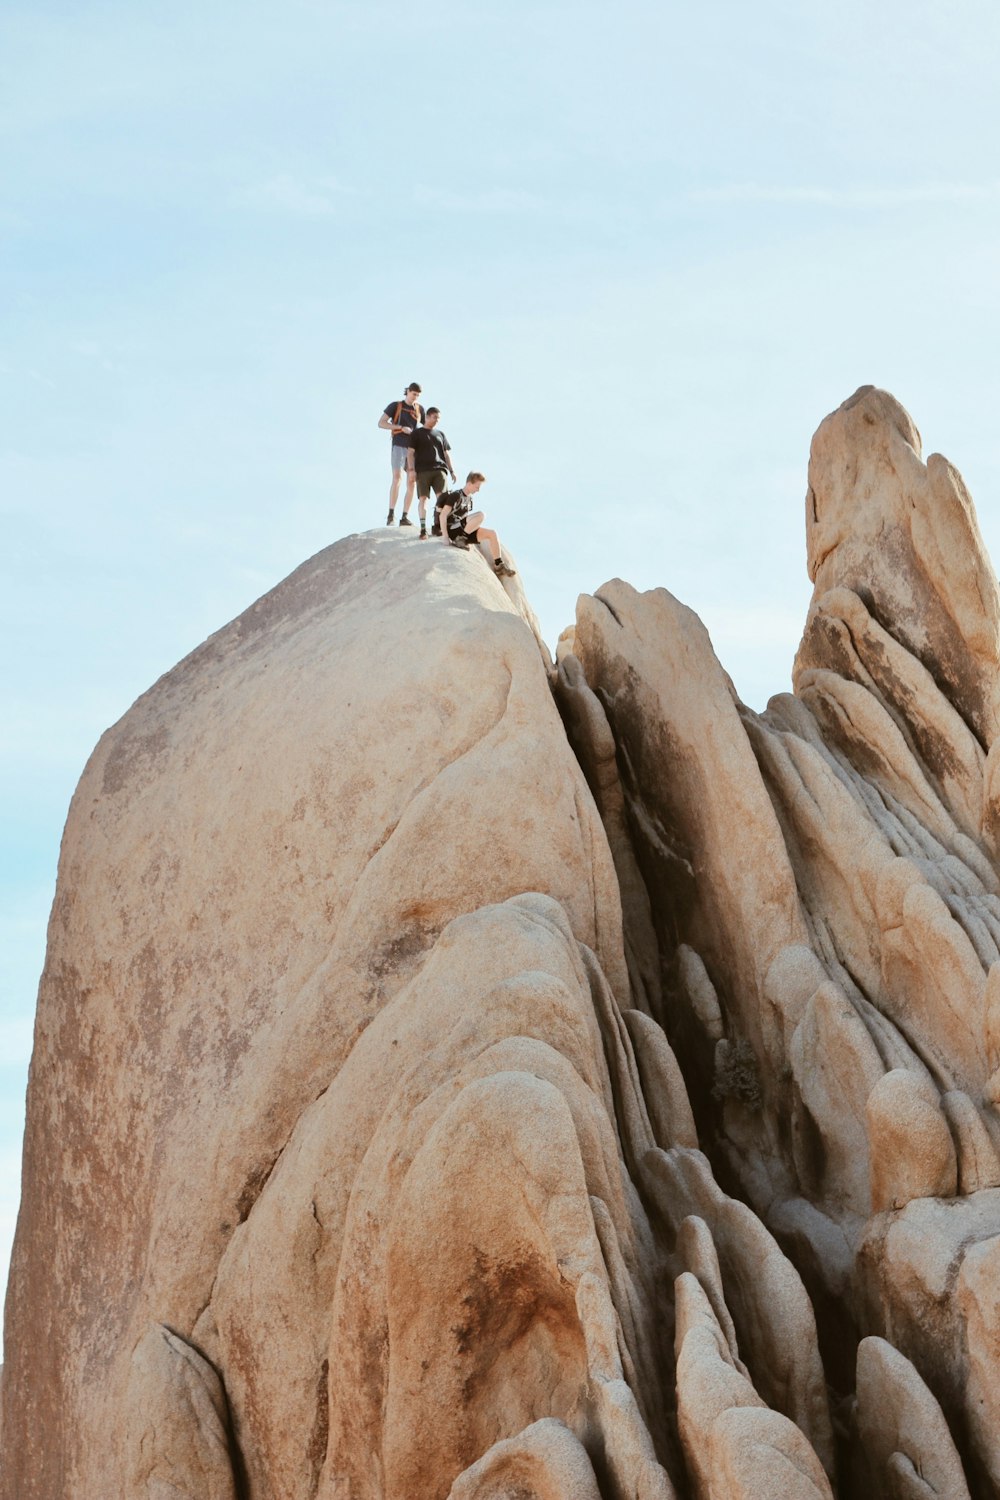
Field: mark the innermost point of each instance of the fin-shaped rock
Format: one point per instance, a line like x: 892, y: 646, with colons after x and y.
x: 544, y: 1462
x: 900, y: 1420
x: 734, y: 1445
x: 178, y: 1437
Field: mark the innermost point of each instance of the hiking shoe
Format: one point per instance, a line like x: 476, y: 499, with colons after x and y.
x: 390, y: 518
x: 504, y: 570
x: 404, y: 520
x: 462, y: 542
x: 423, y: 533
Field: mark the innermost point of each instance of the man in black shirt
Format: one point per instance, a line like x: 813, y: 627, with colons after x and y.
x: 461, y: 525
x: 431, y: 461
x: 401, y: 418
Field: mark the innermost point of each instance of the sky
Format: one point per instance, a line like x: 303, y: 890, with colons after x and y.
x: 634, y: 253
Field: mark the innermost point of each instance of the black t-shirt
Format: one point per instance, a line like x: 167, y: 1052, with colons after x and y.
x: 408, y: 417
x: 430, y: 447
x: 461, y: 506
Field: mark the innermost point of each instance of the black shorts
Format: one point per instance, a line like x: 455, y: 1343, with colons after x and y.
x: 456, y: 531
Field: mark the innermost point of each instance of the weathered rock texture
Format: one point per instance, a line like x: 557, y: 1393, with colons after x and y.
x: 444, y: 1087
x: 824, y: 893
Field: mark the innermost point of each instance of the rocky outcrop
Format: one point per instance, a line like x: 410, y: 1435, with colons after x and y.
x: 260, y: 857
x: 461, y: 1076
x: 825, y: 897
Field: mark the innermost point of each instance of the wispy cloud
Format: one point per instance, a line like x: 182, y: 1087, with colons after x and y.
x: 316, y: 198
x: 502, y: 201
x: 850, y: 197
x: 95, y: 351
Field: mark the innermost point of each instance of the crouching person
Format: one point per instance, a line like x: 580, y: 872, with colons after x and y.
x: 460, y: 525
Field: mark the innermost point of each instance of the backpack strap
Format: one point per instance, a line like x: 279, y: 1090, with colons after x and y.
x: 399, y: 408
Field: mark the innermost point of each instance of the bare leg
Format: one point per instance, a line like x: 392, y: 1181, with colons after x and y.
x: 489, y: 540
x: 394, y: 488
x: 411, y: 483
x: 474, y: 523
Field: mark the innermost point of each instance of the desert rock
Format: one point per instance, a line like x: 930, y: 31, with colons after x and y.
x: 249, y: 874
x: 459, y: 1074
x: 903, y: 1426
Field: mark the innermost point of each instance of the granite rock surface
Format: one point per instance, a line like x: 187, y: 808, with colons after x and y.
x: 462, y: 1075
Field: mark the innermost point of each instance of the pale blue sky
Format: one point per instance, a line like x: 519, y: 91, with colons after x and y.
x: 634, y: 253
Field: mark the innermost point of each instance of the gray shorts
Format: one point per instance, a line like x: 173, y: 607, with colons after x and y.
x: 398, y: 457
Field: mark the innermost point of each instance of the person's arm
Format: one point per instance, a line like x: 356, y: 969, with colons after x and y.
x: 445, y: 513
x: 451, y: 466
x: 388, y: 425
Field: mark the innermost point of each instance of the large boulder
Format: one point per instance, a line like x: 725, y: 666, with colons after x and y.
x: 259, y: 857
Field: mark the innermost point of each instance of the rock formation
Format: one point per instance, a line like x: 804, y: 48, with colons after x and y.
x: 459, y: 1076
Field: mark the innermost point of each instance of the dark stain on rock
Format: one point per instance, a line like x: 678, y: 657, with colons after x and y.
x: 253, y: 1187
x: 399, y: 952
x: 504, y: 1301
x: 316, y: 1451
x: 133, y: 754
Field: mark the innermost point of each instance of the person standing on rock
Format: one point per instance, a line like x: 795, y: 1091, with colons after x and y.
x: 401, y: 418
x: 460, y: 525
x: 431, y: 461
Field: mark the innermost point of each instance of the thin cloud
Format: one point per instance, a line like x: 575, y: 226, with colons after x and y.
x: 856, y: 197
x: 321, y: 198
x: 492, y: 201
x: 94, y: 350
